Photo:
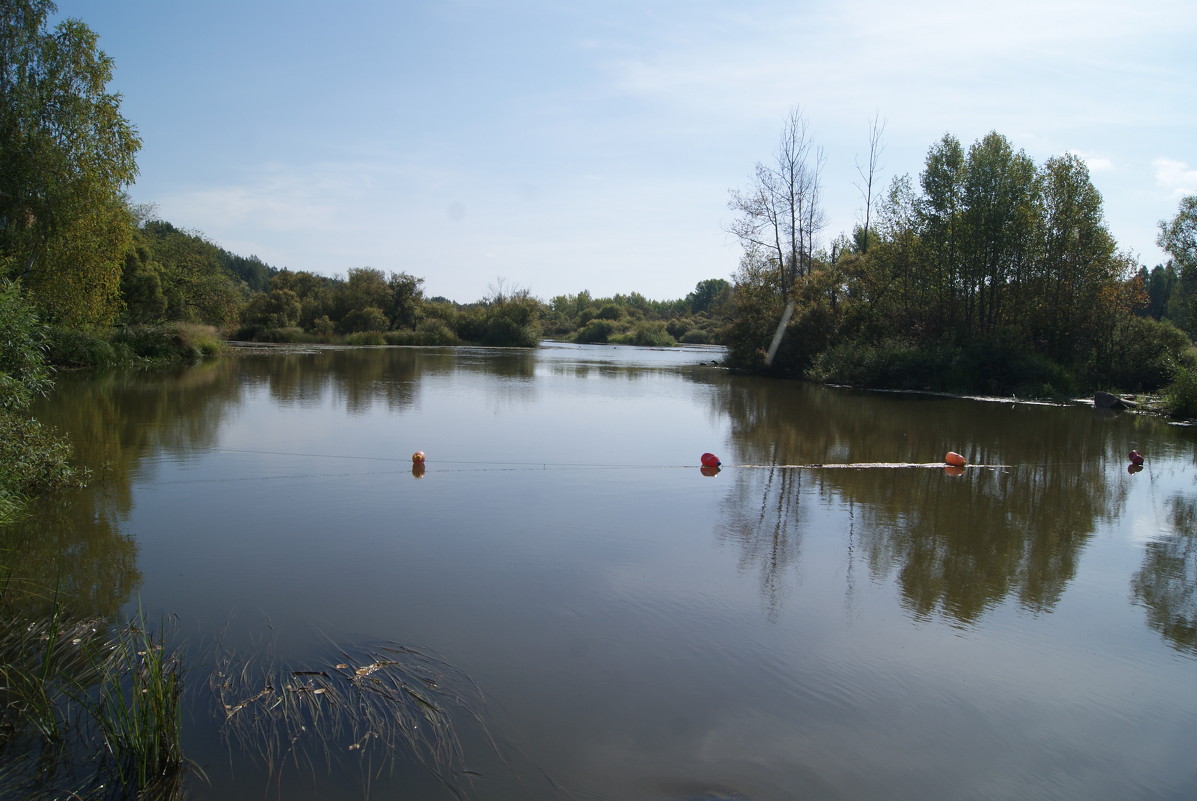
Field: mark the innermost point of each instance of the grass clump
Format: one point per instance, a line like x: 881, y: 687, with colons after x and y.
x: 89, y: 710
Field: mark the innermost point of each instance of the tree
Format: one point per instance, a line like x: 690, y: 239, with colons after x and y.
x: 1000, y: 219
x: 780, y: 214
x: 1078, y: 256
x: 65, y: 154
x: 707, y: 294
x: 406, y: 299
x: 1178, y: 237
x: 868, y: 176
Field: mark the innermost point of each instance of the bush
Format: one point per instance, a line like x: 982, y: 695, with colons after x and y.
x: 596, y: 331
x: 428, y: 332
x: 285, y: 336
x: 1144, y: 354
x: 371, y: 318
x: 32, y: 458
x: 188, y: 342
x: 71, y: 347
x: 366, y: 338
x: 646, y: 334
x: 1180, y: 397
x: 23, y: 371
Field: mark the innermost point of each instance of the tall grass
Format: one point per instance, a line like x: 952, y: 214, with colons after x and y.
x: 135, y: 705
x: 88, y: 710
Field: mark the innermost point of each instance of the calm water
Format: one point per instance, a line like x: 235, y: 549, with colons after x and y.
x: 635, y: 630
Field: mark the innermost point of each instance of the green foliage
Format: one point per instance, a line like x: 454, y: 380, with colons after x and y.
x: 1178, y: 237
x: 65, y: 154
x: 23, y: 371
x: 998, y: 276
x: 195, y: 284
x: 1142, y: 354
x: 33, y: 459
x: 510, y: 318
x: 370, y: 318
x: 279, y: 308
x: 985, y: 365
x: 174, y: 342
x: 141, y: 288
x: 595, y: 332
x: 1180, y: 396
x: 646, y: 333
x: 71, y: 347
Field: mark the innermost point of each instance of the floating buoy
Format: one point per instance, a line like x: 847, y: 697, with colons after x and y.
x: 954, y: 459
x: 710, y: 460
x: 1135, y: 457
x: 417, y: 457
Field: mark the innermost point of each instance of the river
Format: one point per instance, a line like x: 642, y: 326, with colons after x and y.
x: 587, y: 614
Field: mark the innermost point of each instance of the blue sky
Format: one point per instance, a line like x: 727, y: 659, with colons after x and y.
x: 561, y: 146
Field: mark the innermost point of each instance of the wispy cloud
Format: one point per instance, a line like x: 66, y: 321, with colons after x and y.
x: 1175, y: 177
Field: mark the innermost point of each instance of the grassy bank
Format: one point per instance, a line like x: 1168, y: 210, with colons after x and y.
x: 133, y: 345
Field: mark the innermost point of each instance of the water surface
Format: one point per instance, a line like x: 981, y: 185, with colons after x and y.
x: 639, y: 630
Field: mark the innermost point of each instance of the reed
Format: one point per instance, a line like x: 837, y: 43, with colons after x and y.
x: 88, y: 711
x: 135, y: 705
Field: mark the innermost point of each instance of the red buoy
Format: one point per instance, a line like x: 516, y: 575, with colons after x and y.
x: 954, y: 459
x: 1135, y: 457
x: 710, y: 460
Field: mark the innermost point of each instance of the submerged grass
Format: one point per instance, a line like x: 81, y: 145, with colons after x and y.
x: 380, y: 704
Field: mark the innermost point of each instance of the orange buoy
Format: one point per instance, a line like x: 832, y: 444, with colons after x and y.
x: 954, y: 459
x: 417, y: 457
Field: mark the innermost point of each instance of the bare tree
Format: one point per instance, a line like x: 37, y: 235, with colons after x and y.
x: 868, y: 176
x: 780, y: 214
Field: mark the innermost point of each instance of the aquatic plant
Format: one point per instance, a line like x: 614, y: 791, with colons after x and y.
x: 384, y: 701
x: 88, y: 710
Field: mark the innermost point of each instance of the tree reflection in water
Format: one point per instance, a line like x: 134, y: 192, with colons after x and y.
x: 956, y: 545
x: 1166, y: 584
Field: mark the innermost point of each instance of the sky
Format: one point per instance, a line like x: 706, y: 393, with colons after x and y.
x: 566, y: 146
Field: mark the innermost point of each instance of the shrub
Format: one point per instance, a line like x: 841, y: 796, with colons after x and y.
x: 596, y: 331
x: 1180, y: 397
x: 646, y: 334
x: 365, y: 338
x: 285, y: 335
x: 1144, y: 354
x: 71, y: 347
x: 371, y: 318
x: 428, y: 332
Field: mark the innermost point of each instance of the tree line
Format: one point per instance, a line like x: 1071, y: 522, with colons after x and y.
x: 988, y: 272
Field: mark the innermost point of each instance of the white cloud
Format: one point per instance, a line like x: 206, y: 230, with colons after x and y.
x: 1094, y: 163
x: 1175, y: 177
